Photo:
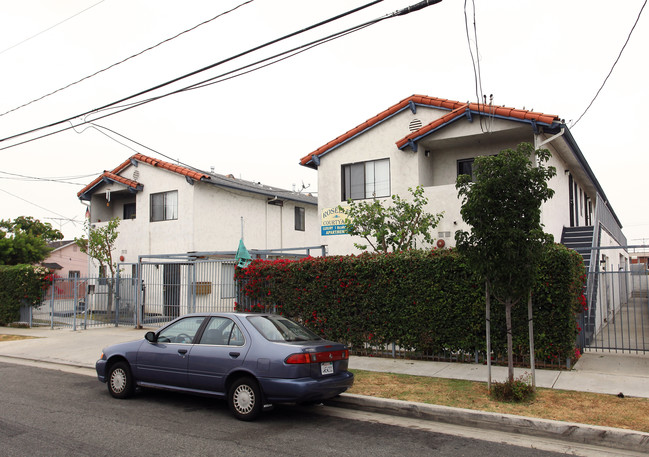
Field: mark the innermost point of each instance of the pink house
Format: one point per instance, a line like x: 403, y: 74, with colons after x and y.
x: 66, y: 260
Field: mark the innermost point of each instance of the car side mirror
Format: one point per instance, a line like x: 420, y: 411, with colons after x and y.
x: 151, y: 337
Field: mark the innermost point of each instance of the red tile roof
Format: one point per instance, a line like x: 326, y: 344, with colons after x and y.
x: 114, y: 174
x: 196, y: 175
x: 457, y: 109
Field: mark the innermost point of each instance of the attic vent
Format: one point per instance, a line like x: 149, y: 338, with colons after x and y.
x: 136, y: 175
x: 415, y: 124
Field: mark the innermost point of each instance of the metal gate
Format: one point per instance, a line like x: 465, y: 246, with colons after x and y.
x: 617, y: 314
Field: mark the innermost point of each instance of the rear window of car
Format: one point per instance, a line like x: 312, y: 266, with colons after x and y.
x: 275, y: 328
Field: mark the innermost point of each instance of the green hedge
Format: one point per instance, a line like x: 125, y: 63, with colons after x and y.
x: 426, y: 301
x: 20, y: 285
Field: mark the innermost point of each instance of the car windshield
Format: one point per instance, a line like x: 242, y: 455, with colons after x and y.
x: 275, y: 328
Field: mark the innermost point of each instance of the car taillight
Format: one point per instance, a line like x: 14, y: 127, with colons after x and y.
x: 316, y: 357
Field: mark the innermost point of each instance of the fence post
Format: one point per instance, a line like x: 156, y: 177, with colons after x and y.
x: 116, y: 296
x: 74, y: 306
x: 52, y: 303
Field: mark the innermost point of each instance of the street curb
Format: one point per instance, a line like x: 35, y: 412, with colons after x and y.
x: 610, y: 437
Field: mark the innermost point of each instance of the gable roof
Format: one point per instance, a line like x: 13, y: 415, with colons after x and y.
x: 456, y: 110
x: 191, y: 174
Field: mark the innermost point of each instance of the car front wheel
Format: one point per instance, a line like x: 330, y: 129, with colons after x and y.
x: 120, y: 381
x: 244, y: 399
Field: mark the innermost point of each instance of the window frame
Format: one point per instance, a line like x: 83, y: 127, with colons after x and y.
x: 461, y: 162
x: 164, y: 207
x: 300, y: 218
x: 363, y: 180
x: 129, y: 211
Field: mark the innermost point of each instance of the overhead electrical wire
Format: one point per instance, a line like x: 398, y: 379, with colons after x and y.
x: 613, y: 67
x: 210, y: 81
x: 475, y: 61
x: 50, y: 28
x: 401, y: 12
x: 38, y: 206
x: 19, y: 177
x: 128, y: 58
x: 195, y: 72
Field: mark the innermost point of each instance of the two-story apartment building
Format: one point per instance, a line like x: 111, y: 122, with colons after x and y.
x: 172, y: 209
x: 429, y: 141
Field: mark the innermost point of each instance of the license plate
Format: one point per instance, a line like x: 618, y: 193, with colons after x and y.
x: 327, y: 368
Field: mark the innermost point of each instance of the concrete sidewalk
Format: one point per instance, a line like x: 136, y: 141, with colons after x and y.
x: 607, y: 373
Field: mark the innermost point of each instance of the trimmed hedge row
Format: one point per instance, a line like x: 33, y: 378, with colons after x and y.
x: 426, y: 301
x: 20, y: 285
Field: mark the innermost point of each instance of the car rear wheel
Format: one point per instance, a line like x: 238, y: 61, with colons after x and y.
x: 120, y: 381
x: 244, y: 399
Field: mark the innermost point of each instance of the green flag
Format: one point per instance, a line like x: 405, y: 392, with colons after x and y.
x: 243, y: 258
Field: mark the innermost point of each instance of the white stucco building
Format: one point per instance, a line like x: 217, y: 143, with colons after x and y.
x: 172, y: 209
x: 429, y: 141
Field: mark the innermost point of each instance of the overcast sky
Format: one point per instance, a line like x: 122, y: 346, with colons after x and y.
x: 550, y: 56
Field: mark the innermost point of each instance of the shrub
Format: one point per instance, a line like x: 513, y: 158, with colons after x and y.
x: 519, y: 390
x: 426, y: 301
x: 20, y: 285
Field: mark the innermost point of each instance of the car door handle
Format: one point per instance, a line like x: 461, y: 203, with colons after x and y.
x: 182, y: 352
x: 234, y: 355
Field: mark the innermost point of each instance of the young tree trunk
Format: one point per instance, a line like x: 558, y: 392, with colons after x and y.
x: 510, y: 341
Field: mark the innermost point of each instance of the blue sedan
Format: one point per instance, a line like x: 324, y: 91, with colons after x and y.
x: 252, y: 360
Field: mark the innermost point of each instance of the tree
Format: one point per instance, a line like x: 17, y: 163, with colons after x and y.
x: 502, y: 204
x: 394, y: 227
x: 100, y: 245
x: 24, y: 240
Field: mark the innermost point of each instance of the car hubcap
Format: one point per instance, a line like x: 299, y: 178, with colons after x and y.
x: 244, y: 399
x: 118, y: 381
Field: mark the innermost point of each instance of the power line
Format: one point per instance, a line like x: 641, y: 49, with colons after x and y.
x: 613, y: 67
x: 128, y: 58
x: 195, y: 72
x: 404, y: 11
x: 210, y: 81
x: 50, y: 28
x: 38, y: 206
x: 20, y: 177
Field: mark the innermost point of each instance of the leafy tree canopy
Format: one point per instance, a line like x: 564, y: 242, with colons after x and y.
x: 502, y: 204
x: 394, y: 227
x: 24, y: 240
x: 101, y: 243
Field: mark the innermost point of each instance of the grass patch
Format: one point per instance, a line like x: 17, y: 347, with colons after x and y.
x: 4, y: 337
x: 581, y: 407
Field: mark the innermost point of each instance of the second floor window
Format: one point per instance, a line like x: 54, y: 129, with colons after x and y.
x: 164, y: 206
x: 366, y: 180
x: 465, y: 167
x: 299, y: 219
x: 129, y: 211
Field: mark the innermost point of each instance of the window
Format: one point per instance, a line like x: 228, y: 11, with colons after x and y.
x: 129, y: 211
x: 182, y: 331
x: 222, y: 332
x: 164, y: 206
x: 74, y: 274
x: 366, y: 180
x: 299, y: 218
x: 465, y: 167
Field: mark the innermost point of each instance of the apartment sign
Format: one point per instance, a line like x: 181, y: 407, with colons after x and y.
x: 333, y: 221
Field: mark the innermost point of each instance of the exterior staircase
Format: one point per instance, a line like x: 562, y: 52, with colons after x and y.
x: 581, y: 240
